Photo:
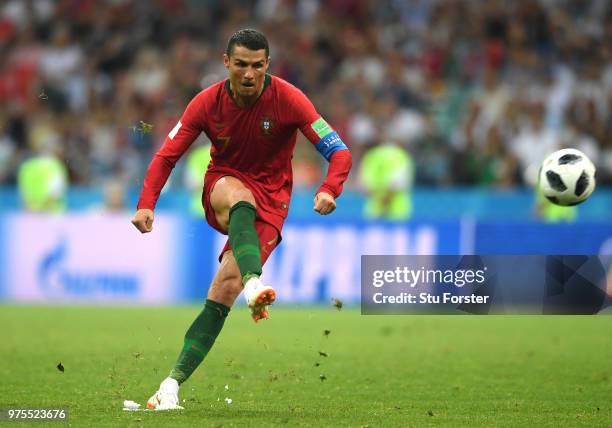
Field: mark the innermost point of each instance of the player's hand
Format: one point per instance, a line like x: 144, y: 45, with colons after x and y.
x: 324, y: 203
x: 143, y: 220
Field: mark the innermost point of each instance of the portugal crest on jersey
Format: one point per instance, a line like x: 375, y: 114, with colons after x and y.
x: 266, y: 125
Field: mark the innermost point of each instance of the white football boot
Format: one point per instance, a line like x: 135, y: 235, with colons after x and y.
x: 258, y: 296
x: 166, y: 398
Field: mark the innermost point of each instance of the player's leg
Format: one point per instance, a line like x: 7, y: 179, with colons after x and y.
x: 234, y: 208
x: 235, y: 212
x: 202, y: 333
x: 259, y: 296
x: 200, y: 337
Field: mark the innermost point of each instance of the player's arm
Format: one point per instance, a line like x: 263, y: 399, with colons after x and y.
x: 176, y: 143
x: 329, y: 144
x: 332, y: 148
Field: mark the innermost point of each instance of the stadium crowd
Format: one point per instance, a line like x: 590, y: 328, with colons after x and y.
x: 477, y: 92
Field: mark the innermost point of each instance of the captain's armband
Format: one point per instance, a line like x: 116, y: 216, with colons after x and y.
x: 330, y: 142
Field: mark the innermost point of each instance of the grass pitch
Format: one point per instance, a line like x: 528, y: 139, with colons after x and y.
x: 367, y: 371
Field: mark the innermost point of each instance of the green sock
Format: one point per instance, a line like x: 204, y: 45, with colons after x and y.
x: 244, y: 240
x: 199, y: 339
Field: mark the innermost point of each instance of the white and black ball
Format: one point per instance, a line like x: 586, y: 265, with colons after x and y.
x: 567, y: 177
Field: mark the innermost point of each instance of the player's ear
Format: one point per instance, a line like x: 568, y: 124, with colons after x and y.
x: 226, y: 60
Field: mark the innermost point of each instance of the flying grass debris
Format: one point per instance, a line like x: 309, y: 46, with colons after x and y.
x: 145, y: 128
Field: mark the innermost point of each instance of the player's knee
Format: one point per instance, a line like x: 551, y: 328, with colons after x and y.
x: 223, y: 219
x: 242, y: 194
x: 239, y: 195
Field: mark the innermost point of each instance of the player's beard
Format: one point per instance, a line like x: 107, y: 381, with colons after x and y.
x: 249, y: 91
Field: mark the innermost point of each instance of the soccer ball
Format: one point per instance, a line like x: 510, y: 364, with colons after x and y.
x: 567, y: 177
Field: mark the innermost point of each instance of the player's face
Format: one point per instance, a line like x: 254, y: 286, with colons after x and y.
x: 247, y: 71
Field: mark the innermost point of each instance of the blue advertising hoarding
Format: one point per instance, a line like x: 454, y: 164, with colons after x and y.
x: 98, y: 258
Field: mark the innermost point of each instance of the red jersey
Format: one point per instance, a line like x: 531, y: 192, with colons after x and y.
x: 254, y: 144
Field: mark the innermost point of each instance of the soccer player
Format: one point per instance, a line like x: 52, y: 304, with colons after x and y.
x: 252, y: 119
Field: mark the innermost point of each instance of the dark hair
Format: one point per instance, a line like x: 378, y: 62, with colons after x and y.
x: 250, y: 39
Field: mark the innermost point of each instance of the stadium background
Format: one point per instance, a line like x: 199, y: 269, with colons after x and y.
x: 94, y: 313
x: 476, y: 92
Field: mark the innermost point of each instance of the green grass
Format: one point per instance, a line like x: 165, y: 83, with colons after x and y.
x: 380, y: 370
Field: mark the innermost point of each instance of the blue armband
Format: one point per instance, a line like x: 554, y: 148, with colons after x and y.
x: 330, y: 144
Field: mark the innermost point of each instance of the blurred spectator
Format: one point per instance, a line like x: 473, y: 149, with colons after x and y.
x: 197, y: 164
x: 61, y: 65
x: 551, y: 213
x: 478, y: 91
x: 533, y: 142
x: 8, y: 151
x: 490, y: 165
x: 387, y: 174
x: 43, y: 181
x: 114, y: 197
